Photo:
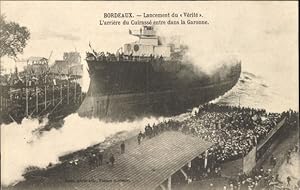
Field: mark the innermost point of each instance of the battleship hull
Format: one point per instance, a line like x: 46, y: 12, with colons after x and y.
x: 127, y: 89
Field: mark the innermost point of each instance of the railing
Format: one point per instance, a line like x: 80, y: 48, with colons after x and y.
x: 270, y: 134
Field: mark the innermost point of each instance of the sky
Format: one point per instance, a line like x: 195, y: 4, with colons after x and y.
x: 263, y: 35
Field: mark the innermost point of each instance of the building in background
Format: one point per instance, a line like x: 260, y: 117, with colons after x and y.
x: 70, y: 65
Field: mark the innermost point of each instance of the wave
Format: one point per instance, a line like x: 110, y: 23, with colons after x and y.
x: 258, y: 92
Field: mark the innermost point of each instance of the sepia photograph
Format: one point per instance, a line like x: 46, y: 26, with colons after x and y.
x: 160, y: 95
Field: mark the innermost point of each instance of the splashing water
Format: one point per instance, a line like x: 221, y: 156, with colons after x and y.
x: 24, y: 146
x: 258, y: 92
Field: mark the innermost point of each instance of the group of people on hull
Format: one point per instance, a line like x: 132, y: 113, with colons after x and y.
x: 111, y: 57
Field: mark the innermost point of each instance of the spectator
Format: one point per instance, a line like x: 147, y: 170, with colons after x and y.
x: 288, y: 179
x: 112, y: 160
x: 100, y: 158
x: 140, y: 137
x: 122, y: 147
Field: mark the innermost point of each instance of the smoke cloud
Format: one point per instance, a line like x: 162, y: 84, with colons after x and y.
x: 206, y: 52
x: 22, y: 145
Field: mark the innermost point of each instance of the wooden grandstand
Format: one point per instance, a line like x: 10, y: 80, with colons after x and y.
x: 149, y: 165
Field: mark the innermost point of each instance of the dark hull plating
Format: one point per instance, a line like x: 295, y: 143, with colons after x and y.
x: 126, y: 90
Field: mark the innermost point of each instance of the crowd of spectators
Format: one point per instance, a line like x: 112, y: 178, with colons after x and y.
x: 261, y: 178
x: 234, y: 131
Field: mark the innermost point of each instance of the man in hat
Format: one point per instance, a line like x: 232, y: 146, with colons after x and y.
x: 273, y: 160
x: 100, y: 158
x: 288, y: 158
x: 288, y: 179
x: 122, y: 147
x: 140, y: 137
x: 112, y: 160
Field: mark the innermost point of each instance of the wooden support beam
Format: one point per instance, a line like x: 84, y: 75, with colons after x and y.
x: 12, y: 118
x: 61, y: 98
x: 97, y: 111
x: 205, y: 159
x: 1, y: 103
x: 68, y: 92
x: 170, y: 183
x: 26, y: 92
x: 36, y: 99
x: 53, y: 96
x: 75, y: 91
x: 162, y: 187
x: 185, y: 175
x: 45, y: 100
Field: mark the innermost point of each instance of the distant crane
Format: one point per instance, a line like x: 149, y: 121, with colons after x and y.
x: 50, y: 56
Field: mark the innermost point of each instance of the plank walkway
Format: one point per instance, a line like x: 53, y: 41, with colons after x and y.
x: 143, y: 166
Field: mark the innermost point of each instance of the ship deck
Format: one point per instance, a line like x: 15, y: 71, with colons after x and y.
x: 143, y: 166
